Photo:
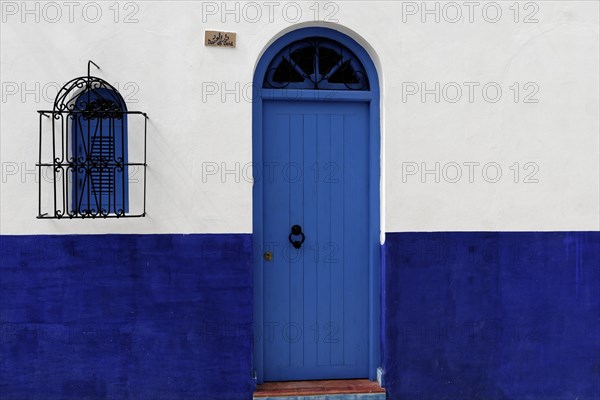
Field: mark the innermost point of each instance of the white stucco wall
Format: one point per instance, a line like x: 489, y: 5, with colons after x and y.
x: 162, y: 67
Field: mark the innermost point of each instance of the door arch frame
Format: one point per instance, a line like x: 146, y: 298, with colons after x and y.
x: 372, y: 96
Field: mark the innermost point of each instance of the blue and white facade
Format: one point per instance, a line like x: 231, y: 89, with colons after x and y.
x: 471, y: 194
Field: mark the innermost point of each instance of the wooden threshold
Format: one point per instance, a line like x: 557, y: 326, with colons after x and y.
x: 316, y: 388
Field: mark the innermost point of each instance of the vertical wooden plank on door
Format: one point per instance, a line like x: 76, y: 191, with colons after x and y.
x: 323, y: 289
x: 334, y: 177
x: 294, y: 331
x: 310, y: 252
x: 276, y: 203
x: 356, y: 188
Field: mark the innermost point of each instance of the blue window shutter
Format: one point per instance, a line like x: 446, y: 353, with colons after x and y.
x: 99, y: 136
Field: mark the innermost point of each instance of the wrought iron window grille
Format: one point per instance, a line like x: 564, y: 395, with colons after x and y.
x: 86, y: 146
x: 316, y: 64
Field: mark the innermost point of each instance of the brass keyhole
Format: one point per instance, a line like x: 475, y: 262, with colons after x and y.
x: 268, y: 255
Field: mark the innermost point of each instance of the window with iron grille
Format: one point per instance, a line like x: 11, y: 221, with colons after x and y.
x: 84, y: 162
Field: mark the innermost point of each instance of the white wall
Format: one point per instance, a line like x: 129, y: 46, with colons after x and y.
x: 163, y: 57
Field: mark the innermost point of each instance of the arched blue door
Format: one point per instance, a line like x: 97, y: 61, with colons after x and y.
x: 315, y: 216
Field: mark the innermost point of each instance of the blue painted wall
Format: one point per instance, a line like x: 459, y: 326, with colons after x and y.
x: 492, y: 315
x: 466, y: 316
x: 126, y: 317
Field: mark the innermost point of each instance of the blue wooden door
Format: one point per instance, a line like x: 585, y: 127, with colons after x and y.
x: 315, y: 175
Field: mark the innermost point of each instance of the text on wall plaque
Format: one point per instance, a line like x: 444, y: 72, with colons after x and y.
x: 219, y: 39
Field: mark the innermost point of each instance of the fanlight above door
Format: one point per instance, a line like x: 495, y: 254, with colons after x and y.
x: 316, y: 64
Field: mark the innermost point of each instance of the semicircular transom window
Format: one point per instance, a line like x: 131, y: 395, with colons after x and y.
x: 316, y: 63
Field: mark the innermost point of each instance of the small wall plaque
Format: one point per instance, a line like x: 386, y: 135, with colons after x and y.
x: 219, y: 39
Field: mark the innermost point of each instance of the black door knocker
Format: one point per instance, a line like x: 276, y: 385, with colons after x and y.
x: 296, y: 231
